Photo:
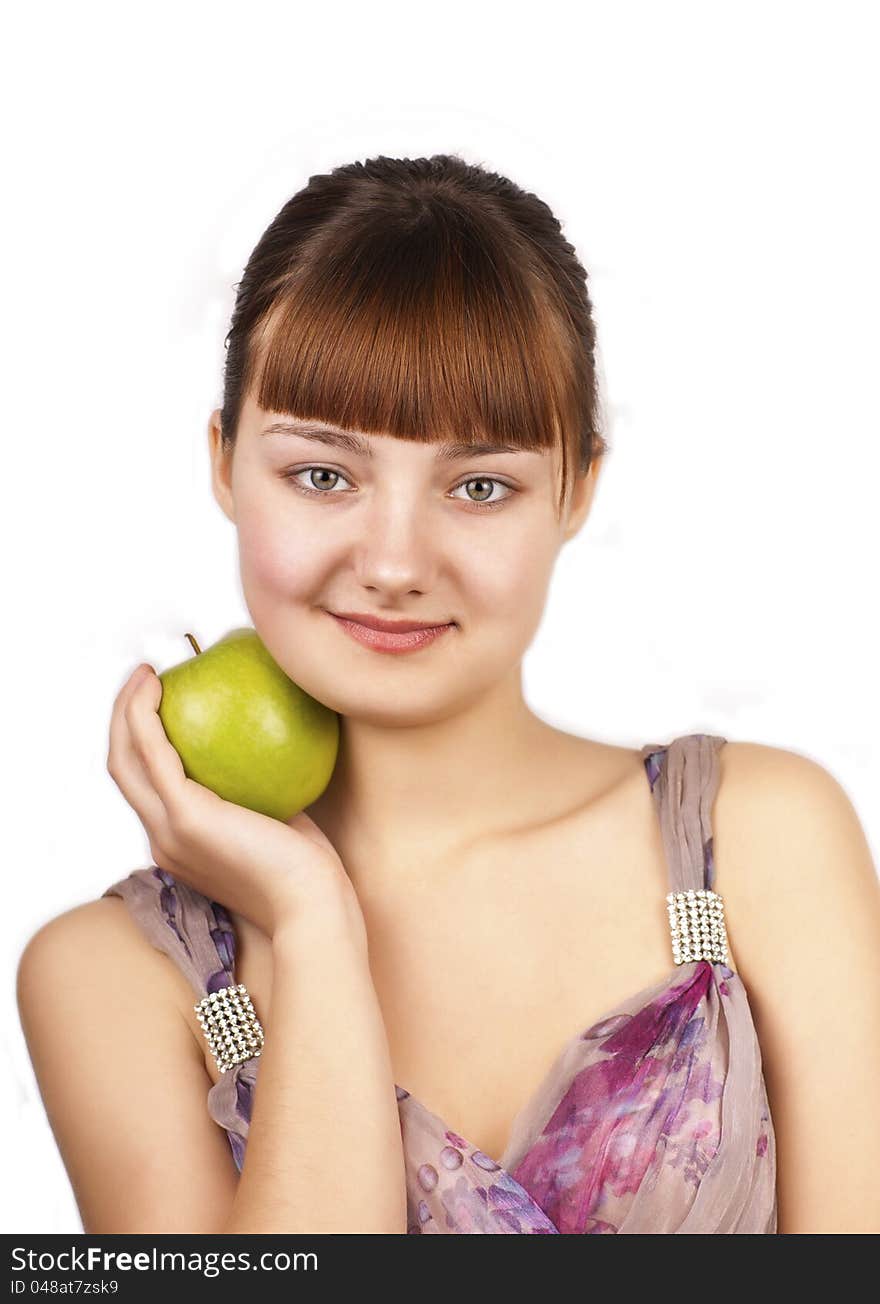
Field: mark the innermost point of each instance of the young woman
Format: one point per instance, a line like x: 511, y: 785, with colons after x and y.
x: 493, y: 964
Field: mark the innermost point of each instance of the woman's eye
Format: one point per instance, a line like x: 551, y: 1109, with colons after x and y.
x: 319, y: 485
x: 310, y: 470
x: 484, y: 483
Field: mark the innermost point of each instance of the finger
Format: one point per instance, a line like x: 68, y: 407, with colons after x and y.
x: 126, y: 769
x: 158, y: 758
x: 118, y: 727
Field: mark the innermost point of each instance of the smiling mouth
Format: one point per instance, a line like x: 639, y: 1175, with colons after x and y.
x: 385, y: 640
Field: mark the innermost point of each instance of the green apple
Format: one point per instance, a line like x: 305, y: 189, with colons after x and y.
x: 244, y: 729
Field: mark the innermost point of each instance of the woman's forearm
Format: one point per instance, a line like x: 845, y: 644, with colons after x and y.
x: 324, y: 1150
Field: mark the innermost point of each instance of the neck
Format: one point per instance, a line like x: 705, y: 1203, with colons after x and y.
x: 405, y: 798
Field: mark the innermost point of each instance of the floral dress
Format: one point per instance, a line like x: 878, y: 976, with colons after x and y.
x: 654, y: 1119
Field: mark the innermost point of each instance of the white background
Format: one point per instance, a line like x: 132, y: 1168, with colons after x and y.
x: 714, y: 165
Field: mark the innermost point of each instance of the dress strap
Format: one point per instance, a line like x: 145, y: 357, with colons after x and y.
x: 684, y: 778
x: 197, y: 934
x: 191, y: 930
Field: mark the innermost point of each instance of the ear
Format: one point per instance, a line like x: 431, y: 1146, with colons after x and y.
x: 221, y: 466
x: 581, y: 499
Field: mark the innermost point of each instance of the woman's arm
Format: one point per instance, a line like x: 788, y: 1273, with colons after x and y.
x: 802, y: 901
x: 324, y: 1151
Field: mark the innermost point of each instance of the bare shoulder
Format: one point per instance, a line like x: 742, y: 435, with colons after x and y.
x: 802, y: 899
x: 101, y: 934
x: 786, y: 829
x: 121, y: 1079
x: 792, y: 861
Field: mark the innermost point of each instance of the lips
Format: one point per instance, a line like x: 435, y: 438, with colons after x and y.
x: 389, y: 626
x: 395, y: 640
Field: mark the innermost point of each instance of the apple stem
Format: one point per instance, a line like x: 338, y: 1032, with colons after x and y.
x: 196, y: 647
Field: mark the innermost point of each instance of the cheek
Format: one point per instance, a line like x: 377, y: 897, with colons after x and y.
x: 508, y: 578
x: 275, y: 560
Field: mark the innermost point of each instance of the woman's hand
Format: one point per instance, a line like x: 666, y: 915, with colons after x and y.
x: 262, y: 868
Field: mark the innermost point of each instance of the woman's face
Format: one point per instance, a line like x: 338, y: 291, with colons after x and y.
x: 397, y: 531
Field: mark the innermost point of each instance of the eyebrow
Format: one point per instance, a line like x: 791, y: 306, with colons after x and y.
x: 355, y: 444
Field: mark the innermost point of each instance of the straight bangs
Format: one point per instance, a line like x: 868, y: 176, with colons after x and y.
x: 430, y: 324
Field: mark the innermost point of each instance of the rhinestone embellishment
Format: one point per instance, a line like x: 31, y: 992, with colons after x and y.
x: 230, y: 1025
x: 696, y: 922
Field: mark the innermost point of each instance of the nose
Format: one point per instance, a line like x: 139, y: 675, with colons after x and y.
x: 397, y: 547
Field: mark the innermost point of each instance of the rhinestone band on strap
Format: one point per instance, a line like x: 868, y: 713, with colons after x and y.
x: 230, y: 1025
x: 696, y: 921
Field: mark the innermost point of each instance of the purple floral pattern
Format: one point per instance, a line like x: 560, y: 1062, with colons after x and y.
x: 647, y: 1078
x: 168, y: 904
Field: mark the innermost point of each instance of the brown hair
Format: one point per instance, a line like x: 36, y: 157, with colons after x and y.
x: 424, y: 298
